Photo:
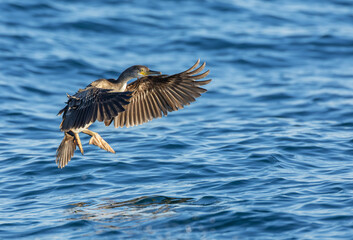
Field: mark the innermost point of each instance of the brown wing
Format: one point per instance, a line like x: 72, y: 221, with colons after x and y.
x: 92, y: 104
x: 155, y: 96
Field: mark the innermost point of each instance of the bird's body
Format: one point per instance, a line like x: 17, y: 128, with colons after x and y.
x: 109, y: 84
x: 108, y: 100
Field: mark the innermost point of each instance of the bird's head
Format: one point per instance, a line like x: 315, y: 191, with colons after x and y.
x: 140, y: 71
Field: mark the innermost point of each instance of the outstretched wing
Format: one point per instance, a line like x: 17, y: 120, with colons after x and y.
x: 91, y: 104
x: 155, y: 96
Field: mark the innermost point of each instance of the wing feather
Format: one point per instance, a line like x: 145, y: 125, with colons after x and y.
x: 155, y: 96
x: 107, y: 112
x: 193, y: 66
x: 154, y: 107
x: 183, y: 97
x: 100, y: 113
x: 170, y: 100
x: 94, y: 112
x: 137, y: 110
x: 130, y: 115
x: 91, y: 104
x: 167, y: 101
x: 178, y: 99
x: 162, y: 103
x: 143, y: 108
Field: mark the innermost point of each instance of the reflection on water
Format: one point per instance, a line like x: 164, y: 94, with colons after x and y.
x: 126, y: 214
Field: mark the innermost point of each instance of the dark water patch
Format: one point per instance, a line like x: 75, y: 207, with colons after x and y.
x: 83, y: 25
x: 17, y: 37
x: 175, y: 146
x: 16, y: 99
x: 273, y: 97
x: 36, y: 90
x: 275, y: 20
x: 343, y: 218
x: 31, y: 6
x: 69, y: 63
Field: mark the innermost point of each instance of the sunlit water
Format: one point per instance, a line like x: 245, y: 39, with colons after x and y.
x: 265, y: 153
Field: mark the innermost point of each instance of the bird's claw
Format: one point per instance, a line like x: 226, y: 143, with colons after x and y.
x: 97, y: 140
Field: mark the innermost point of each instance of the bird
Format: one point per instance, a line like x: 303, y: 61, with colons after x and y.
x: 152, y: 95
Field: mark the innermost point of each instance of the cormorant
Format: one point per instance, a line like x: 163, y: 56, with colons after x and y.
x: 151, y: 96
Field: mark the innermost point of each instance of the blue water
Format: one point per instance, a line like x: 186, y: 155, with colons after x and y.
x: 266, y: 153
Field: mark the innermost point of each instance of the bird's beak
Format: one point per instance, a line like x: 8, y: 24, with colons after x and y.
x: 151, y: 72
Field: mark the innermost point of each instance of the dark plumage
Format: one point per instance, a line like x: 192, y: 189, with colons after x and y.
x: 66, y: 149
x: 92, y: 104
x: 155, y: 96
x: 150, y: 96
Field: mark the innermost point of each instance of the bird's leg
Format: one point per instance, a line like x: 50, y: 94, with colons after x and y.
x: 78, y: 142
x: 97, y: 140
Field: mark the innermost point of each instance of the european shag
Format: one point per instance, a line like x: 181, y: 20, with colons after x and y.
x: 151, y: 96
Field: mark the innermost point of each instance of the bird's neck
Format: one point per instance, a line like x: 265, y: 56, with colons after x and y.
x: 124, y: 78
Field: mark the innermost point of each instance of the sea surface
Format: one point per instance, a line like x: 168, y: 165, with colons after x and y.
x: 266, y: 153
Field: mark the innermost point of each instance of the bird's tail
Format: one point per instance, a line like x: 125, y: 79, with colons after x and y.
x: 66, y: 150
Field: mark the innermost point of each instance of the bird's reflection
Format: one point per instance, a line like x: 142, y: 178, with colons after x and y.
x: 126, y: 214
